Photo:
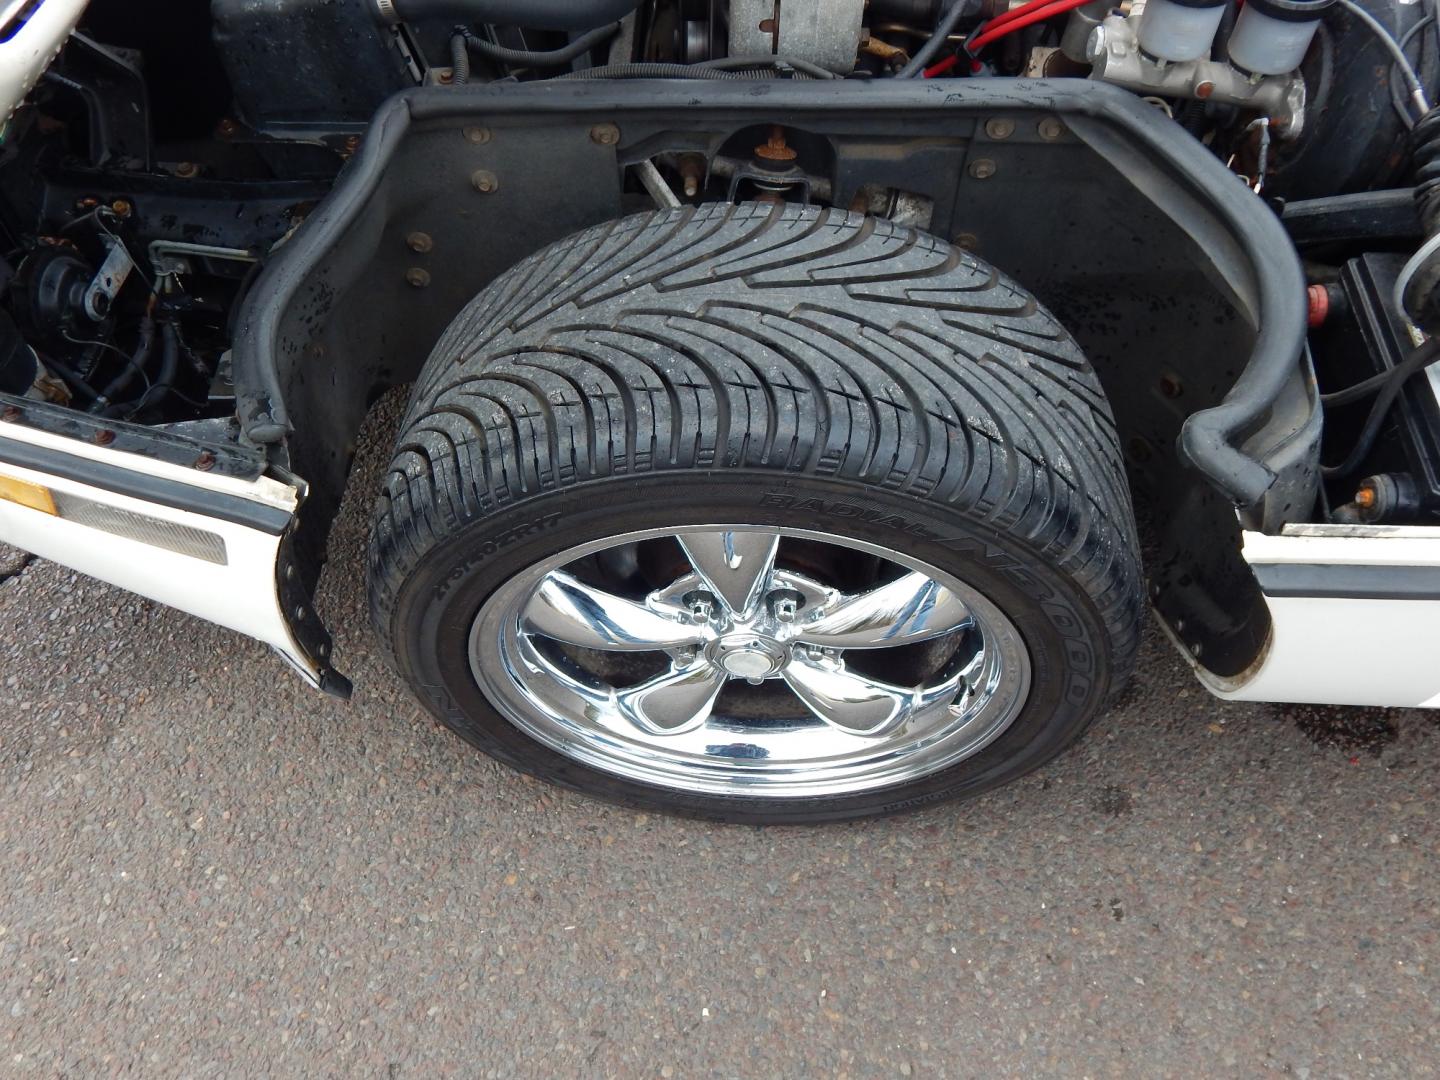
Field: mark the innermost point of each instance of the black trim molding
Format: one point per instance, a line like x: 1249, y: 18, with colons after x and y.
x: 153, y: 489
x: 1346, y: 582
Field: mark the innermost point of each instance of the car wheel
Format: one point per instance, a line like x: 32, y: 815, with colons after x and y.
x: 759, y: 513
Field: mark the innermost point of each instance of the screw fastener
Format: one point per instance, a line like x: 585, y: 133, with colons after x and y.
x: 982, y: 169
x: 485, y: 181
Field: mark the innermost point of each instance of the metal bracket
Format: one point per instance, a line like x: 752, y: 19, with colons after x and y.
x: 100, y: 295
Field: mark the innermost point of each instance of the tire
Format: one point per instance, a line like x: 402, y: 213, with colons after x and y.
x: 790, y: 370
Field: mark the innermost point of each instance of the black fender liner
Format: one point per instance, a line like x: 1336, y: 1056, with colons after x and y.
x: 1142, y: 218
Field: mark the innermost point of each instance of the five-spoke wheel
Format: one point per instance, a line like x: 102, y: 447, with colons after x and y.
x: 888, y: 671
x: 765, y: 513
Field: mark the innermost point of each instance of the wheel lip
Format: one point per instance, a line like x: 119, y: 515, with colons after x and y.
x: 488, y: 654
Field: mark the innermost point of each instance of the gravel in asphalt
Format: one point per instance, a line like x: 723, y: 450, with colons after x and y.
x: 209, y: 869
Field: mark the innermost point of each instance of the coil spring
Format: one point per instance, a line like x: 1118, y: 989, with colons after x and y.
x: 1425, y: 154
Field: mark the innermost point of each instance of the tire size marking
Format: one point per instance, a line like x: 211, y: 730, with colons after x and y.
x: 846, y: 510
x: 489, y: 547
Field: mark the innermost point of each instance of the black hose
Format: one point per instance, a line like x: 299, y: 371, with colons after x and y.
x: 164, y: 379
x: 1220, y: 47
x: 935, y: 42
x: 1390, y: 385
x: 459, y: 58
x: 540, y: 14
x: 134, y: 365
x: 524, y: 57
x: 663, y: 71
x: 169, y: 357
x: 1425, y: 151
x: 71, y: 377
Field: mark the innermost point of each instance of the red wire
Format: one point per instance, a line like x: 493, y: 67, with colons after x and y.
x: 942, y: 66
x: 1019, y: 18
x: 1014, y: 13
x: 1007, y: 23
x: 949, y: 62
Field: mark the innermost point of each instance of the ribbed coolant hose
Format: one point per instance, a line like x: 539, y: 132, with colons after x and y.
x: 1417, y: 289
x: 1425, y: 154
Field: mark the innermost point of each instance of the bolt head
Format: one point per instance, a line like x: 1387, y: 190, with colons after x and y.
x: 485, y: 181
x: 419, y: 241
x: 999, y: 127
x: 605, y: 134
x: 982, y: 169
x: 418, y: 277
x: 476, y: 135
x: 1050, y: 128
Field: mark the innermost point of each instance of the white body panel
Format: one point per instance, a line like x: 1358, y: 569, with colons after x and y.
x: 26, y: 55
x: 240, y: 594
x: 1346, y: 650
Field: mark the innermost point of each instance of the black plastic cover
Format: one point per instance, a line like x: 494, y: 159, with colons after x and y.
x: 299, y: 64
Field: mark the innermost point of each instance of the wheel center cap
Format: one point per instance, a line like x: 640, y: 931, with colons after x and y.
x: 748, y: 656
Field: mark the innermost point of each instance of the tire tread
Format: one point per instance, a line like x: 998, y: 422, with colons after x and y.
x: 792, y: 339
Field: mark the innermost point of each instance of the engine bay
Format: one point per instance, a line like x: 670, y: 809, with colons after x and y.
x: 158, y: 164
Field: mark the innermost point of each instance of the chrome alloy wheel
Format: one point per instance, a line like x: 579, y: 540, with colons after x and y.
x: 748, y: 674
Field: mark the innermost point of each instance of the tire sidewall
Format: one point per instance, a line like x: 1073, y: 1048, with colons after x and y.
x: 1058, y: 624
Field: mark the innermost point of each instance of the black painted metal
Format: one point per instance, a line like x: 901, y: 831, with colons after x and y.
x: 222, y: 457
x: 1150, y: 251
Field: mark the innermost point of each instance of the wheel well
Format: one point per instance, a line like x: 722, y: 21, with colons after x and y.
x: 1157, y: 265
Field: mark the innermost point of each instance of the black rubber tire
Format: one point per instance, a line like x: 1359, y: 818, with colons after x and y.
x: 780, y: 365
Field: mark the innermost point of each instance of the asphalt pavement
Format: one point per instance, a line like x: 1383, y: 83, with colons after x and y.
x: 207, y: 869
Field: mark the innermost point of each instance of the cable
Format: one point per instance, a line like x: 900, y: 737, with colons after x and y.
x: 1011, y: 15
x: 1019, y: 18
x: 935, y: 42
x: 548, y: 58
x: 1396, y: 99
x: 1417, y: 91
x: 134, y: 365
x: 1389, y: 385
x: 726, y: 63
x: 1409, y: 270
x: 459, y: 58
x: 936, y: 70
